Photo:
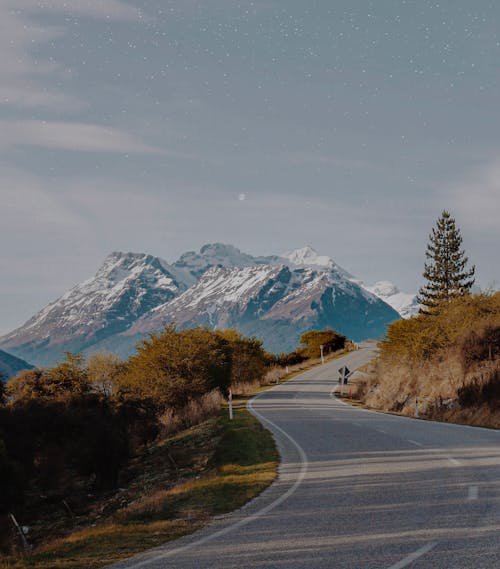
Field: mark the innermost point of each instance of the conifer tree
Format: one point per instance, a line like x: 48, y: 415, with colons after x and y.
x: 445, y: 269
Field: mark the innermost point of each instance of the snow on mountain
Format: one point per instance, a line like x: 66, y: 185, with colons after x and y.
x: 126, y: 286
x: 277, y: 303
x: 276, y: 298
x: 404, y: 303
x: 192, y: 265
x: 219, y: 299
x: 307, y: 256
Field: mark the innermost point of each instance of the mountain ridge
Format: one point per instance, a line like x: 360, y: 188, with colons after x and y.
x: 134, y: 294
x: 11, y: 365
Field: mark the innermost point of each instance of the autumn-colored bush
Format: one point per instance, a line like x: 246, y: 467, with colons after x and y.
x: 448, y: 358
x: 314, y: 339
x: 248, y: 358
x: 422, y: 337
x: 173, y: 367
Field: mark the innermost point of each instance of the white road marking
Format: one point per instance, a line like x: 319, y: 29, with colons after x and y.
x: 243, y: 522
x: 414, y: 556
x: 357, y: 424
x: 415, y: 443
x: 382, y: 431
x: 473, y: 493
x: 454, y: 461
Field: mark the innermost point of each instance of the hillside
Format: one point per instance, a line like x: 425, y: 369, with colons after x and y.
x: 10, y: 365
x: 448, y: 361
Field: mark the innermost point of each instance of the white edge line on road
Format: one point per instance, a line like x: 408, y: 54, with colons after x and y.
x: 415, y: 443
x: 473, y: 493
x: 303, y: 470
x: 454, y: 461
x: 414, y: 556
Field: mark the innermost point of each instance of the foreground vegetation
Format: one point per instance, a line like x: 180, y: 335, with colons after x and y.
x: 101, y: 458
x: 447, y: 361
x: 185, y: 479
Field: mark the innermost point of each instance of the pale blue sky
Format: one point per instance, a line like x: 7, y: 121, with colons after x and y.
x: 346, y: 125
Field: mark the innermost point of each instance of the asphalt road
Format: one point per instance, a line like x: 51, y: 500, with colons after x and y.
x: 356, y: 489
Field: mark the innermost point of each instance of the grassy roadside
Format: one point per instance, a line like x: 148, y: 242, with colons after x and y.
x: 237, y: 460
x: 177, y: 486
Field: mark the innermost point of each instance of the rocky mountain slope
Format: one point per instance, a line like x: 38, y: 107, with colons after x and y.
x: 126, y: 286
x: 275, y: 298
x: 10, y: 365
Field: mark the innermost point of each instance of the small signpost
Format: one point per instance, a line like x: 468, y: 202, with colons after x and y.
x: 230, y: 400
x: 322, y: 358
x: 344, y: 376
x: 20, y: 531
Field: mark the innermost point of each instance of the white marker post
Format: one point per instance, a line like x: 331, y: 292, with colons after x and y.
x: 20, y: 532
x: 230, y: 399
x: 322, y: 358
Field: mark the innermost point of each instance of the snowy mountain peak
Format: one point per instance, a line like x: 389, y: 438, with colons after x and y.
x: 384, y: 288
x: 219, y: 250
x: 404, y: 303
x: 125, y: 261
x: 126, y: 286
x: 192, y: 265
x: 309, y: 257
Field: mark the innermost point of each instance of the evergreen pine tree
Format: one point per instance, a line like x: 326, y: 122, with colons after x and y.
x: 445, y: 270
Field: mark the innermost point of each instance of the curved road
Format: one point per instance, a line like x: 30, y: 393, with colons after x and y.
x: 356, y: 489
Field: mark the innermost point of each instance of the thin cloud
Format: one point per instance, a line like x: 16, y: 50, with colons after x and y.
x: 71, y: 136
x: 27, y: 80
x: 109, y: 9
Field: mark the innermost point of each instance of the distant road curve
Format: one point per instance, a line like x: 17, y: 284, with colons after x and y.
x: 357, y: 489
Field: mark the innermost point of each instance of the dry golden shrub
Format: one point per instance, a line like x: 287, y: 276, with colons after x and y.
x: 196, y: 411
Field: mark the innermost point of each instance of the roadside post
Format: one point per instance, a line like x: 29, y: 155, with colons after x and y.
x: 416, y: 407
x: 20, y: 532
x: 230, y: 400
x: 322, y: 358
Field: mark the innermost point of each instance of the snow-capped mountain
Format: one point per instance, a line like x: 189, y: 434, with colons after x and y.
x: 276, y: 298
x: 220, y: 299
x: 125, y: 287
x: 404, y: 303
x: 276, y: 302
x: 308, y: 257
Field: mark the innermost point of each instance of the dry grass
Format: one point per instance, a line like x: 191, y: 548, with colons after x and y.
x: 194, y: 413
x: 441, y: 386
x: 393, y: 386
x: 95, y: 547
x: 244, y: 389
